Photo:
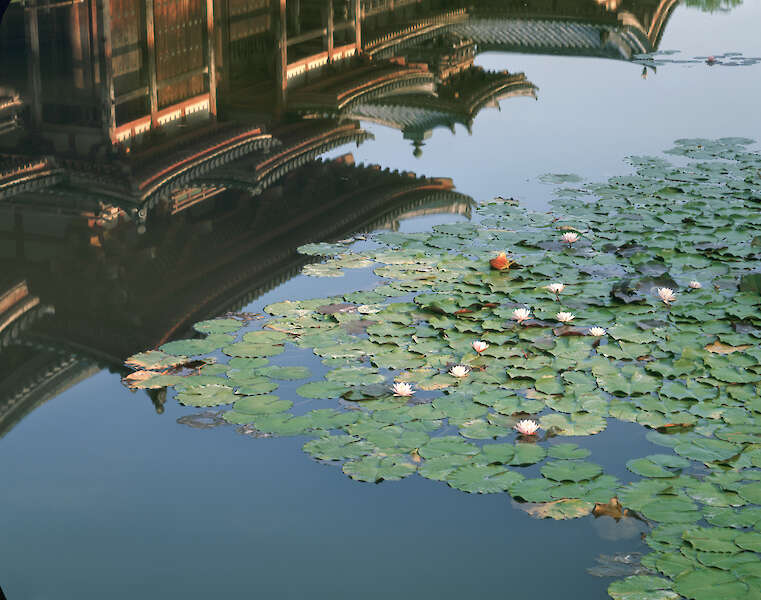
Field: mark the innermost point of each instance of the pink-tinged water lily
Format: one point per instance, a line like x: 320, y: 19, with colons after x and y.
x: 565, y: 317
x: 402, y: 389
x: 521, y: 314
x: 570, y: 237
x: 459, y: 371
x: 695, y: 285
x: 667, y: 295
x: 555, y: 288
x: 527, y: 427
x: 596, y: 331
x: 480, y: 346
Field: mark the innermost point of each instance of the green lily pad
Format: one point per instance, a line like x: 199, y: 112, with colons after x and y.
x: 321, y: 389
x: 709, y: 584
x: 207, y: 395
x: 285, y: 373
x: 218, y: 326
x: 196, y: 347
x: 657, y: 465
x: 374, y: 469
x: 567, y: 451
x: 483, y: 479
x: 566, y: 470
x: 712, y: 539
x: 642, y: 587
x: 338, y: 447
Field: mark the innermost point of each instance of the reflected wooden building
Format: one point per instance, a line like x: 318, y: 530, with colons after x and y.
x: 127, y: 67
x: 111, y: 291
x: 160, y: 160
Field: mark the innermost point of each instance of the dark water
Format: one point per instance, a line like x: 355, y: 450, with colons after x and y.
x: 103, y: 493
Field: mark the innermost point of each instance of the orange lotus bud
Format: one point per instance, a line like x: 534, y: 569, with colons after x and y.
x: 501, y: 262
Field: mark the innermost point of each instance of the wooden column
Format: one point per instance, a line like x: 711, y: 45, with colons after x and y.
x: 357, y: 9
x: 150, y: 59
x: 281, y: 53
x: 32, y: 33
x: 210, y: 60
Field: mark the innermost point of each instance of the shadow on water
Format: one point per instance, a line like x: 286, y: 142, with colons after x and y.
x: 160, y: 162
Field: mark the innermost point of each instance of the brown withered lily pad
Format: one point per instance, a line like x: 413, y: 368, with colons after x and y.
x: 569, y: 330
x: 719, y: 348
x: 155, y: 360
x: 332, y: 309
x: 565, y: 508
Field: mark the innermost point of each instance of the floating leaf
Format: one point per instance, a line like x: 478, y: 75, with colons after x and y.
x: 155, y: 360
x: 566, y: 508
x: 567, y: 451
x: 207, y: 395
x: 642, y: 587
x: 374, y: 469
x: 321, y: 389
x: 338, y: 447
x: 483, y: 479
x: 218, y: 326
x: 566, y: 470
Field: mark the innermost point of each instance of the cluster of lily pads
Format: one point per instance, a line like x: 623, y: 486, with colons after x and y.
x: 669, y: 57
x: 636, y: 300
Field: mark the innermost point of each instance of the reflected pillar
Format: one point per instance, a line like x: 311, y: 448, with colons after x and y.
x: 329, y: 29
x: 150, y: 59
x: 281, y: 54
x: 357, y: 10
x: 223, y: 20
x: 32, y: 34
x: 108, y: 104
x: 210, y: 60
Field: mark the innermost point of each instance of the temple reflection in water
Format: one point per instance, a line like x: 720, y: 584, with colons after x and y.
x: 160, y: 159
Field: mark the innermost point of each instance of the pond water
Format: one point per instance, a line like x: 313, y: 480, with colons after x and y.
x: 104, y: 492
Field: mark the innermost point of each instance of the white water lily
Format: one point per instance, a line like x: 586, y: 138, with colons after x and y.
x: 570, y: 237
x: 596, y: 331
x: 459, y: 371
x: 402, y: 389
x: 480, y: 346
x: 695, y: 285
x: 527, y: 427
x: 556, y: 288
x: 521, y: 314
x: 565, y: 317
x: 667, y: 295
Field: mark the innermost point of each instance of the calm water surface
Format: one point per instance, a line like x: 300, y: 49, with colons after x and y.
x: 105, y: 495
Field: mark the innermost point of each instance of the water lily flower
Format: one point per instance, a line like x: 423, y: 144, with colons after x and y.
x: 695, y: 285
x: 555, y: 288
x: 667, y: 295
x: 402, y: 389
x: 565, y: 317
x: 710, y: 60
x: 570, y: 237
x: 527, y: 427
x: 521, y: 314
x: 480, y: 346
x: 596, y: 331
x: 501, y: 262
x: 459, y: 371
